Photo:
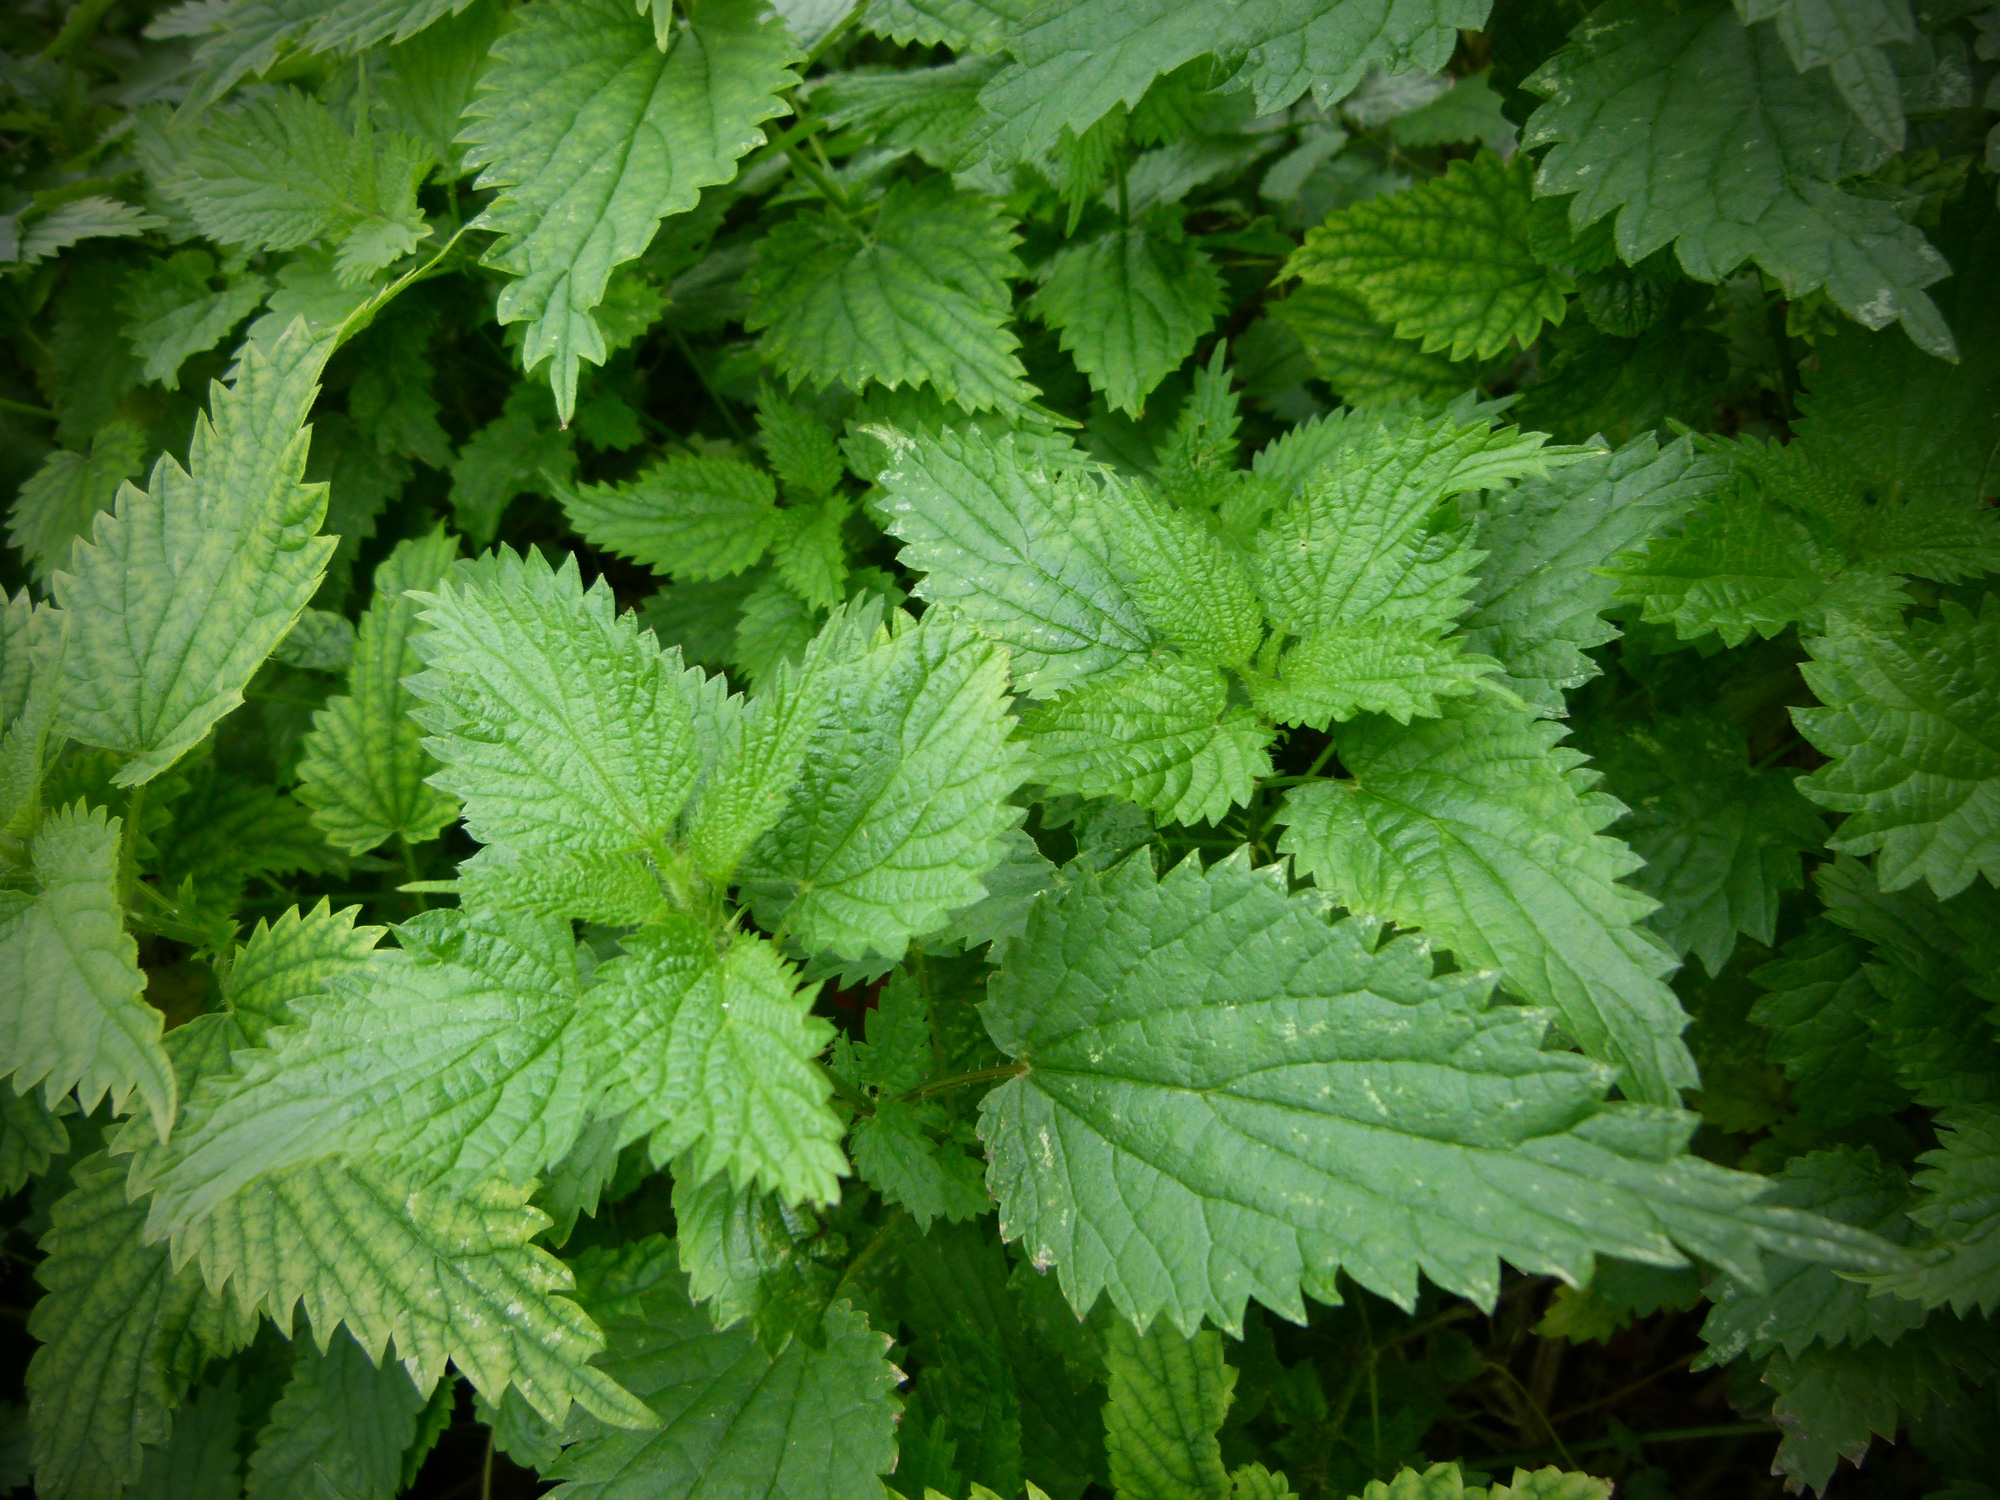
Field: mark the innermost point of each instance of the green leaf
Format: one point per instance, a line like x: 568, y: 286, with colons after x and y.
x: 932, y: 111
x: 449, y: 1272
x: 1832, y: 1401
x: 200, y: 1461
x: 1168, y: 1398
x: 1130, y: 305
x: 1191, y: 588
x: 1480, y: 829
x: 278, y: 171
x: 352, y: 26
x: 516, y: 453
x: 930, y: 1179
x: 72, y: 1002
x: 122, y: 1333
x: 292, y: 959
x: 689, y: 517
x: 801, y: 452
x: 91, y: 218
x: 1018, y: 547
x: 31, y: 645
x: 1538, y: 603
x: 467, y: 1051
x: 1818, y: 1008
x: 1449, y: 264
x: 188, y: 586
x: 962, y: 25
x: 923, y: 297
x: 1908, y: 722
x: 1210, y: 1062
x: 1846, y: 38
x: 747, y: 792
x: 902, y: 805
x: 745, y: 1254
x: 62, y: 499
x: 815, y: 1421
x: 1721, y: 842
x: 174, y: 312
x: 1640, y: 91
x: 363, y: 772
x: 1156, y: 732
x: 559, y: 722
x: 339, y: 1416
x: 31, y: 1132
x: 1806, y: 1305
x: 594, y: 130
x: 712, y: 1053
x: 1960, y: 1206
x: 228, y: 830
x: 1359, y: 357
x: 811, y: 554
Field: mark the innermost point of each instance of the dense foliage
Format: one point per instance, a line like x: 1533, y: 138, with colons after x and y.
x: 1145, y: 747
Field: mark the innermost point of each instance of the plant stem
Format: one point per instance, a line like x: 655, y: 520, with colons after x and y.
x: 729, y: 416
x: 128, y: 846
x: 959, y: 1080
x: 22, y: 409
x: 1675, y: 1435
x: 869, y: 1251
x: 78, y: 28
x: 834, y: 195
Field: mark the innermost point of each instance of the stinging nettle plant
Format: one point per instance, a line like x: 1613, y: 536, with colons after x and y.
x: 1179, y: 750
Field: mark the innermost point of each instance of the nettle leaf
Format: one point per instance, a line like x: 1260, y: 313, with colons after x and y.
x: 741, y: 1249
x: 1359, y: 357
x: 1016, y: 546
x: 1907, y: 722
x: 122, y: 1333
x: 31, y: 1132
x: 59, y: 502
x: 364, y: 770
x: 31, y: 645
x: 1192, y: 589
x: 186, y: 588
x: 922, y: 297
x: 1169, y: 1395
x: 1959, y: 1204
x: 711, y: 1052
x: 1479, y: 828
x: 962, y: 25
x: 1450, y: 263
x: 689, y: 517
x: 1538, y: 602
x: 595, y: 129
x: 1130, y: 305
x: 1847, y: 40
x: 559, y: 723
x: 1721, y: 842
x: 174, y: 312
x: 814, y: 1421
x: 72, y: 1004
x: 342, y: 1417
x: 1641, y: 91
x: 1225, y: 1095
x: 1818, y: 1006
x: 1157, y: 732
x: 902, y: 804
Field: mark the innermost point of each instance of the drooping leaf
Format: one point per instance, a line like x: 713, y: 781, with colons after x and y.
x: 364, y: 771
x: 72, y: 1005
x: 595, y: 129
x: 339, y: 1416
x: 174, y: 313
x: 1479, y: 829
x: 1959, y: 1204
x: 1225, y: 1095
x: 186, y: 587
x: 1169, y: 1395
x: 59, y: 502
x: 745, y: 1256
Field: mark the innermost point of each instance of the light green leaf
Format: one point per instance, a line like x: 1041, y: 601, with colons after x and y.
x: 1017, y: 547
x: 1538, y: 603
x: 801, y: 452
x: 351, y: 26
x: 1640, y: 91
x: 1846, y: 37
x: 31, y: 646
x: 465, y: 1052
x: 1156, y: 732
x: 363, y: 769
x: 1909, y: 718
x: 452, y: 1276
x: 1721, y: 841
x: 1480, y: 829
x: 1225, y: 1095
x: 932, y: 111
x: 928, y: 1178
x: 902, y: 805
x: 72, y: 1008
x: 747, y: 792
x: 559, y: 722
x: 31, y: 1132
x: 712, y: 1054
x: 92, y: 218
x: 811, y: 554
x: 689, y: 517
x: 924, y: 297
x: 292, y: 959
x: 1169, y: 1395
x: 59, y: 501
x: 962, y: 25
x: 1393, y: 667
x: 1359, y: 357
x: 188, y: 586
x: 1130, y: 305
x: 595, y: 129
x: 122, y: 1333
x: 174, y: 312
x: 319, y: 641
x: 744, y: 1254
x: 339, y: 1416
x: 1191, y: 588
x: 1449, y: 263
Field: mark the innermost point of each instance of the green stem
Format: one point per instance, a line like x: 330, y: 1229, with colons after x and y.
x: 869, y: 1251
x: 78, y: 28
x: 1124, y: 194
x: 729, y: 416
x: 128, y: 846
x: 863, y: 1105
x: 1534, y: 1406
x: 22, y: 409
x: 959, y: 1080
x: 1676, y: 1435
x: 834, y: 195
